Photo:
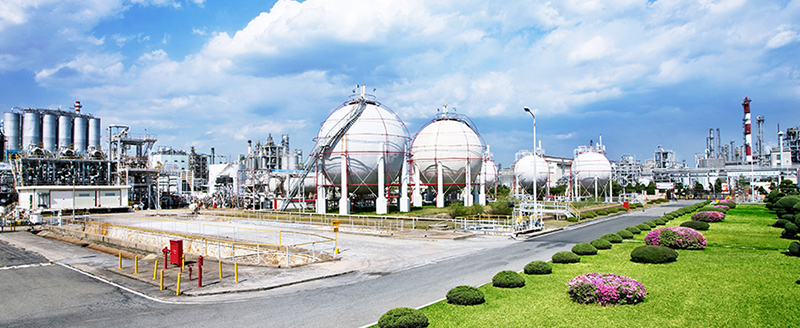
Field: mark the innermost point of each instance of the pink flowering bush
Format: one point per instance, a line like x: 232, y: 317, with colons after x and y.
x: 722, y: 207
x: 709, y: 216
x: 605, y: 289
x: 676, y: 237
x: 727, y: 202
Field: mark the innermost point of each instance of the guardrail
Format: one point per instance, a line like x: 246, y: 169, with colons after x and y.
x: 243, y: 248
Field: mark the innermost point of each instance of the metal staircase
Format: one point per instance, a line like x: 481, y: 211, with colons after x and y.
x: 341, y: 127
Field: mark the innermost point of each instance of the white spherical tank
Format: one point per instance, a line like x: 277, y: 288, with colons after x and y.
x: 524, y: 171
x: 590, y: 166
x: 453, y: 144
x: 491, y: 172
x: 377, y: 135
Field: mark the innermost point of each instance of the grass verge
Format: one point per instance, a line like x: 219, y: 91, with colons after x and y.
x: 742, y: 279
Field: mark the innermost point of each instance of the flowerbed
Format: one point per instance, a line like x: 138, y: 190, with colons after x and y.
x: 709, y: 216
x: 605, y: 289
x: 676, y: 237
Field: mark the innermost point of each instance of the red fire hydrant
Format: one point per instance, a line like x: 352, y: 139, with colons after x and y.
x: 166, y: 256
x: 200, y: 271
x: 190, y: 272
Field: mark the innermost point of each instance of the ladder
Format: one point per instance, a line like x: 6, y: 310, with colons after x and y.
x: 310, y: 164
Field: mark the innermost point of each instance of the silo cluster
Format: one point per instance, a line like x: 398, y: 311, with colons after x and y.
x: 51, y: 130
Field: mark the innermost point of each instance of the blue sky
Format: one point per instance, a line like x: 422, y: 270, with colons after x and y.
x: 218, y: 73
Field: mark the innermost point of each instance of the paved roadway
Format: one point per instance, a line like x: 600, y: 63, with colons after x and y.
x: 54, y: 295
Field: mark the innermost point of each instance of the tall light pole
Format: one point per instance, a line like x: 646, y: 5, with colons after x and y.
x: 535, y: 162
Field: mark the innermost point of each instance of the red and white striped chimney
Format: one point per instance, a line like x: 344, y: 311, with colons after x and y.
x: 78, y: 106
x: 748, y: 138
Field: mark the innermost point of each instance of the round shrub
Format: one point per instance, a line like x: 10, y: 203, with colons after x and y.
x: 403, y: 317
x: 797, y: 219
x: 625, y: 234
x: 786, y: 203
x: 538, y: 267
x: 696, y: 225
x: 634, y: 230
x: 708, y: 216
x: 601, y: 243
x: 786, y: 216
x: 780, y: 223
x: 650, y: 223
x: 612, y: 210
x: 653, y: 254
x: 789, y: 231
x: 584, y: 249
x: 572, y: 219
x: 565, y: 257
x: 623, y: 209
x: 794, y: 249
x: 725, y: 208
x: 660, y: 221
x: 791, y: 227
x: 712, y: 209
x: 613, y: 238
x: 676, y: 237
x: 465, y: 295
x: 643, y: 227
x: 601, y: 212
x: 727, y: 202
x: 588, y: 215
x: 670, y: 216
x: 605, y: 289
x: 508, y: 279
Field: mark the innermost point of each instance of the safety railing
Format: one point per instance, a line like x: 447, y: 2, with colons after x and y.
x: 247, y: 247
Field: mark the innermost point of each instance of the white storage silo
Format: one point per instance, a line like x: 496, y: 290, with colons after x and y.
x: 49, y: 131
x: 80, y: 133
x: 94, y: 133
x: 31, y: 129
x: 447, y: 153
x: 524, y: 171
x: 64, y: 131
x: 12, y: 131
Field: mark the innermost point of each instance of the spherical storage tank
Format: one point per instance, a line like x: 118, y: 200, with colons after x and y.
x: 377, y: 134
x: 590, y: 166
x: 491, y: 172
x: 453, y: 143
x: 524, y: 171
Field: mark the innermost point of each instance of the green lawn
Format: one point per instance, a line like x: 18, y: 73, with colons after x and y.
x: 742, y: 279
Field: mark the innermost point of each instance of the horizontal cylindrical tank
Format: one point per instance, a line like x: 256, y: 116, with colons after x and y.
x: 94, y: 133
x: 524, y: 171
x: 12, y: 131
x: 49, y: 132
x: 454, y: 145
x: 80, y: 133
x: 589, y: 167
x: 378, y: 134
x: 309, y: 184
x: 31, y: 129
x: 64, y: 131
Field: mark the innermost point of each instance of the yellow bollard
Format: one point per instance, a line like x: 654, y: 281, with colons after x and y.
x: 178, y: 289
x: 236, y: 271
x: 219, y: 263
x: 161, y: 283
x: 155, y: 269
x: 120, y: 261
x: 183, y: 261
x: 135, y: 265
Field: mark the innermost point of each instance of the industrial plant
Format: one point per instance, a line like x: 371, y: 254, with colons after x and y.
x: 364, y: 159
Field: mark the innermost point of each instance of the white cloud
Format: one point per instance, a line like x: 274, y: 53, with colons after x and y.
x: 783, y: 37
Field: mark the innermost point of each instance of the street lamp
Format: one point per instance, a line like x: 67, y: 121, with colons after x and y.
x: 535, y: 162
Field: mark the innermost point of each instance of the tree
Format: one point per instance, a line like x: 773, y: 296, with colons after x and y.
x: 698, y: 187
x: 651, y: 188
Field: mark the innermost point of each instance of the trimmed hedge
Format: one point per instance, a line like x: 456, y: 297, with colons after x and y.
x: 584, y: 249
x: 403, y: 317
x: 613, y: 238
x: 634, y: 230
x: 465, y: 295
x: 565, y: 257
x: 653, y: 254
x: 625, y: 234
x: 508, y: 279
x: 780, y: 223
x: 601, y: 212
x: 794, y: 249
x: 696, y: 225
x: 644, y: 227
x: 538, y: 267
x: 660, y: 221
x: 650, y: 223
x: 601, y: 243
x: 612, y: 210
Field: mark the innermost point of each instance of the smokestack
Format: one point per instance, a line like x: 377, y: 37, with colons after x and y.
x: 249, y: 145
x: 748, y: 138
x: 78, y: 106
x: 719, y: 145
x: 212, y: 155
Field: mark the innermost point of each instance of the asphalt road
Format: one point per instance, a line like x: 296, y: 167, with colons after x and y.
x: 54, y: 295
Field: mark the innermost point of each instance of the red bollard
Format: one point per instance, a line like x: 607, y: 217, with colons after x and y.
x: 200, y: 271
x: 190, y: 272
x: 166, y: 256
